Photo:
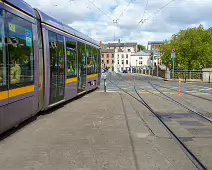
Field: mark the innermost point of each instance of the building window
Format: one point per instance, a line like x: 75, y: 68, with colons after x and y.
x: 112, y: 61
x: 122, y: 55
x: 122, y: 61
x: 71, y: 58
x: 140, y: 58
x: 107, y: 55
x: 128, y: 50
x: 20, y: 51
x: 102, y: 61
x: 118, y: 61
x: 117, y: 56
x: 126, y: 61
x: 140, y: 62
x: 126, y: 55
x: 107, y: 61
x: 112, y: 55
x: 102, y: 55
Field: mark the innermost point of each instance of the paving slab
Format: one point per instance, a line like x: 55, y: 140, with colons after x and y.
x: 97, y: 131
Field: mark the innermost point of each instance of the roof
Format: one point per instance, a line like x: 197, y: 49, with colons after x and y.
x: 155, y: 52
x: 22, y: 5
x: 57, y: 24
x: 129, y: 44
x: 141, y: 53
x: 155, y: 42
x: 108, y: 51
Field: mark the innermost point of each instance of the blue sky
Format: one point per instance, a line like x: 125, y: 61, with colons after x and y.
x: 95, y: 17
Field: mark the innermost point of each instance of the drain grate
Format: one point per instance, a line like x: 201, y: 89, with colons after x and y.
x: 177, y: 115
x: 190, y: 123
x: 186, y: 139
x: 165, y: 119
x: 202, y: 131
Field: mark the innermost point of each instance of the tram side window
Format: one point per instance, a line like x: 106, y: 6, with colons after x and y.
x: 53, y: 49
x: 81, y: 58
x: 61, y: 53
x: 20, y: 51
x: 71, y: 58
x: 99, y: 59
x: 90, y: 59
x: 3, y: 60
x: 95, y: 60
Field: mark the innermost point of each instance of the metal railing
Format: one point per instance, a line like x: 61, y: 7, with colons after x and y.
x: 187, y: 74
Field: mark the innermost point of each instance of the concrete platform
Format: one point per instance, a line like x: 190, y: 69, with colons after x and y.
x: 98, y: 131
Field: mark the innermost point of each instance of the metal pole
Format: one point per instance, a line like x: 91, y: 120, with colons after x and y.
x: 105, y: 76
x: 157, y: 67
x: 152, y: 63
x: 173, y: 70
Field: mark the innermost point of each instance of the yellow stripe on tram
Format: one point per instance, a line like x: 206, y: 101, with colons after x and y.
x: 21, y: 91
x: 92, y: 76
x: 4, y: 95
x: 16, y: 92
x: 72, y: 80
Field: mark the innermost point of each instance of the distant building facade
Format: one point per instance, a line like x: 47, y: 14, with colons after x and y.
x: 107, y: 58
x: 154, y: 45
x: 119, y: 54
x: 141, y: 59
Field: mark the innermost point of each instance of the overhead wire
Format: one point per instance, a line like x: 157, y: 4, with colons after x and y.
x: 124, y: 10
x: 142, y: 21
x: 144, y: 11
x: 116, y: 20
x: 160, y: 9
x: 100, y: 10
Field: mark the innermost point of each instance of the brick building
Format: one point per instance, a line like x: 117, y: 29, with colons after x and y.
x: 107, y: 57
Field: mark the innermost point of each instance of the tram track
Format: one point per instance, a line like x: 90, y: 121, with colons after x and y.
x: 166, y: 97
x: 141, y: 100
x: 185, y: 92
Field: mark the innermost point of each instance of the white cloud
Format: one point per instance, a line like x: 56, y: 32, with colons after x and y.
x: 85, y: 16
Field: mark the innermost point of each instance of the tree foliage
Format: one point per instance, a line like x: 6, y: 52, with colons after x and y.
x: 141, y: 47
x: 193, y: 49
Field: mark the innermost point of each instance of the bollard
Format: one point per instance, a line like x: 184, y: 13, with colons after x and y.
x: 179, y: 94
x: 105, y: 76
x: 128, y: 76
x: 209, y: 78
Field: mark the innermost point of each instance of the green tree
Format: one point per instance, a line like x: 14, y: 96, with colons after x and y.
x: 193, y: 49
x: 141, y: 47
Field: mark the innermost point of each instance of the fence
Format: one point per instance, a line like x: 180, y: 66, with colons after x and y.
x: 186, y: 75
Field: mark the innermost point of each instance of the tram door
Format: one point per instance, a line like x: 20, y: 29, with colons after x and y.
x: 57, y: 68
x: 81, y: 67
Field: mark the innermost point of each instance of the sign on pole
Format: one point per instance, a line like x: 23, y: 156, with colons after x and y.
x: 173, y: 50
x: 173, y: 57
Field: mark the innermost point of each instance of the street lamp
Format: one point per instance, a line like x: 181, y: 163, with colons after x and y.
x: 136, y: 66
